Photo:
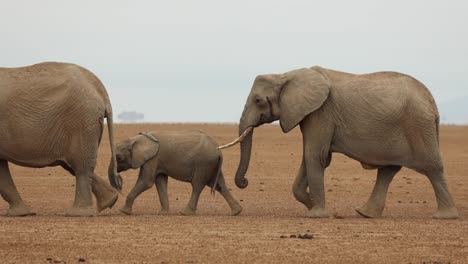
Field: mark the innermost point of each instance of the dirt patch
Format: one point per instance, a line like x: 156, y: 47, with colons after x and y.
x: 405, y: 234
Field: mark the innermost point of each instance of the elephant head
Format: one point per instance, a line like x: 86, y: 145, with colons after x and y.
x: 287, y: 97
x: 134, y: 152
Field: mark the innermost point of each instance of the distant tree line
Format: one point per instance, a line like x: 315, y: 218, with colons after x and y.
x: 131, y: 117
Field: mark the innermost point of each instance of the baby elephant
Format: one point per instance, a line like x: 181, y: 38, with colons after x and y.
x: 190, y: 156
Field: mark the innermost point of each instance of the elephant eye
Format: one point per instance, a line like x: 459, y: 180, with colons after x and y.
x: 258, y: 100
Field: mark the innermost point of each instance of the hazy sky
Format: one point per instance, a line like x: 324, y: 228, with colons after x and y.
x: 179, y: 61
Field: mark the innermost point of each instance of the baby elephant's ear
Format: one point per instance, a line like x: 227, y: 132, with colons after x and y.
x: 143, y: 149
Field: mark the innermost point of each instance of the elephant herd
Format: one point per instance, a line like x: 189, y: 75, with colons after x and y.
x: 52, y: 114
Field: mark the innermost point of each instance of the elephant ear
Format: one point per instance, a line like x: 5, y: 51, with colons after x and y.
x: 143, y: 149
x: 304, y: 91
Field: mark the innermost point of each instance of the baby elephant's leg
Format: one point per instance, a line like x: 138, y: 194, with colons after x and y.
x: 198, y: 184
x: 161, y: 187
x: 144, y: 182
x: 221, y: 187
x: 191, y: 207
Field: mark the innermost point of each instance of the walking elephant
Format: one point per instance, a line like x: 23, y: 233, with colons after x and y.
x: 52, y: 114
x: 385, y: 120
x: 189, y: 156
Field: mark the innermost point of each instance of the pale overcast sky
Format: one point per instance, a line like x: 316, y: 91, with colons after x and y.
x: 194, y: 61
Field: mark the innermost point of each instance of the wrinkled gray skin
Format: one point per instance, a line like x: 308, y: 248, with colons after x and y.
x: 385, y: 120
x: 52, y: 115
x: 189, y: 156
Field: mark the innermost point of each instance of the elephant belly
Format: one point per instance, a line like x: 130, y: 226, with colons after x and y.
x: 186, y: 171
x: 31, y: 162
x: 27, y: 155
x: 375, y: 153
x: 176, y: 172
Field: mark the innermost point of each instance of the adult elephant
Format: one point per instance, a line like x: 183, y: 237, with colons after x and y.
x: 52, y: 115
x: 385, y: 120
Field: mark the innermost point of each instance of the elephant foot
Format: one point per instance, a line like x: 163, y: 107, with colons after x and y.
x: 317, y: 213
x: 108, y: 201
x: 75, y: 211
x: 187, y: 211
x: 449, y: 213
x: 236, y: 211
x: 20, y: 210
x: 163, y: 212
x: 126, y: 210
x: 367, y: 212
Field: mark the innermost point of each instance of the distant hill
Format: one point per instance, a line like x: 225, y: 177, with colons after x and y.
x: 454, y: 111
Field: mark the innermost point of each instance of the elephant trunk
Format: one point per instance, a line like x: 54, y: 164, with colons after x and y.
x: 246, y: 150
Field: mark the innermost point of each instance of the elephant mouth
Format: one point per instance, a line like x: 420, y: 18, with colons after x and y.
x: 239, y: 139
x: 270, y: 105
x: 267, y: 119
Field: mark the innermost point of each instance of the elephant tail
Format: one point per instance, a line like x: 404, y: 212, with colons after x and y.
x: 218, y: 171
x: 114, y: 178
x: 437, y: 129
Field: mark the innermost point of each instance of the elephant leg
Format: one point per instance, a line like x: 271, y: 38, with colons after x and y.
x: 106, y: 196
x: 300, y: 187
x: 317, y: 137
x: 445, y: 206
x: 161, y: 187
x: 81, y: 159
x: 315, y: 172
x: 315, y: 175
x: 10, y: 193
x: 221, y: 187
x: 376, y: 203
x: 83, y: 203
x: 144, y: 182
x: 198, y: 184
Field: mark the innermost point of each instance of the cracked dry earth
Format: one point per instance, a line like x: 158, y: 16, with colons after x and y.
x: 268, y: 229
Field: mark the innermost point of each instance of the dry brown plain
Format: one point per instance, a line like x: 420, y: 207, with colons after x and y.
x: 405, y: 234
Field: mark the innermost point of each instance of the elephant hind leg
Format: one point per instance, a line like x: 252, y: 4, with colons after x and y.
x: 445, y: 206
x: 10, y: 193
x: 300, y: 188
x: 191, y: 208
x: 376, y: 203
x: 106, y: 196
x: 83, y: 203
x: 81, y: 161
x: 221, y: 187
x: 199, y: 181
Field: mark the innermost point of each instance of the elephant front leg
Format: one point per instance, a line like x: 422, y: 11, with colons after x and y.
x: 376, y: 203
x: 144, y: 182
x: 161, y: 187
x: 300, y: 187
x: 10, y: 193
x: 315, y: 173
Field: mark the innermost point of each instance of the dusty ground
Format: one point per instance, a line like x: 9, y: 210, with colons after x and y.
x: 405, y: 234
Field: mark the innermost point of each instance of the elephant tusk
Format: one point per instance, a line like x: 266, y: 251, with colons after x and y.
x: 239, y: 139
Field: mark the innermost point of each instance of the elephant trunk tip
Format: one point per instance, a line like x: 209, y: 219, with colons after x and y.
x: 242, y: 183
x: 116, y: 182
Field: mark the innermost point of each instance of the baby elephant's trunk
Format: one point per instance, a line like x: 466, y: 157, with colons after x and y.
x: 218, y: 171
